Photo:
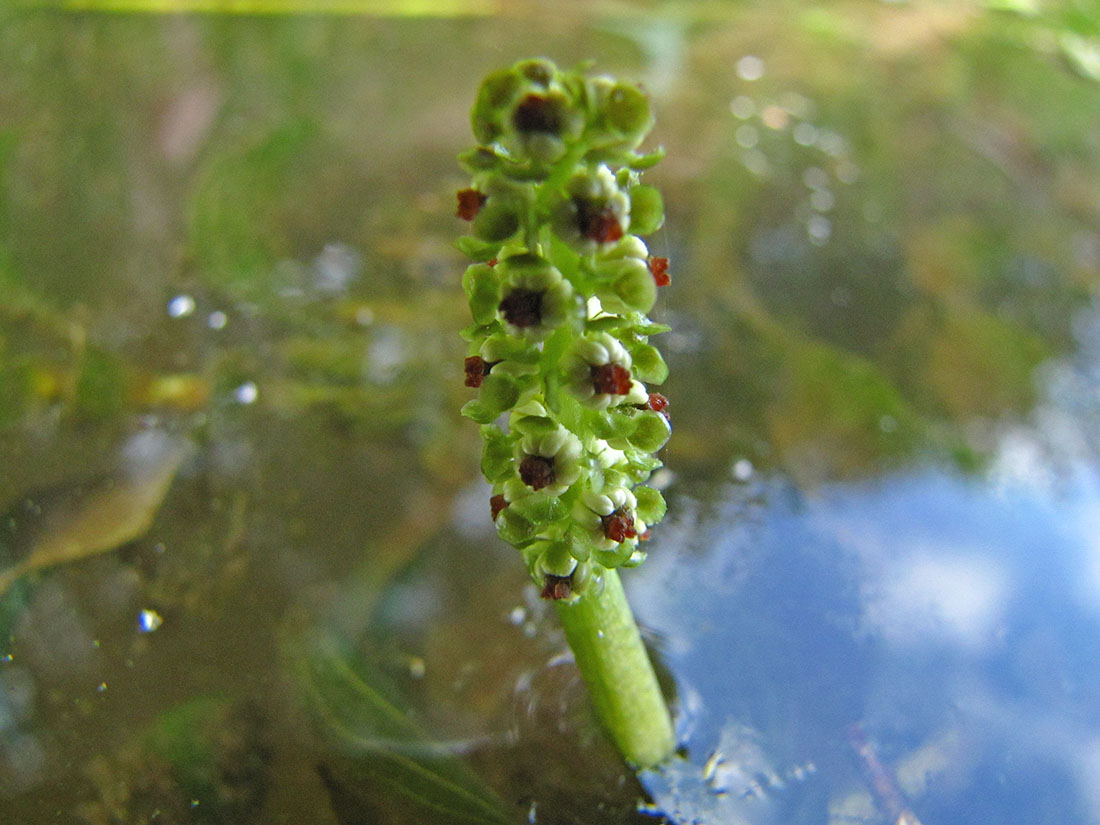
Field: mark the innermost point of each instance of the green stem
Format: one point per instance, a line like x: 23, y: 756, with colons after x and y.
x: 613, y: 661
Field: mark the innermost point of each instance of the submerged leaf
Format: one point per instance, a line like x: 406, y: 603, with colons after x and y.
x: 54, y: 528
x: 385, y: 759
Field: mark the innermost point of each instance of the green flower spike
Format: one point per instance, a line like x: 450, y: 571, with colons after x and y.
x: 559, y: 354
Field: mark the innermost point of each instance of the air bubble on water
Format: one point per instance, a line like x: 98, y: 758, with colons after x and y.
x: 847, y: 172
x: 149, y: 620
x: 743, y: 107
x: 181, y: 306
x: 246, y: 393
x: 750, y: 67
x: 756, y: 162
x: 746, y: 136
x: 819, y: 228
x: 775, y: 117
x: 814, y: 177
x: 822, y: 200
x: 805, y: 134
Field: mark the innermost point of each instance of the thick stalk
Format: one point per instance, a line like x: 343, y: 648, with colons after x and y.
x: 608, y: 649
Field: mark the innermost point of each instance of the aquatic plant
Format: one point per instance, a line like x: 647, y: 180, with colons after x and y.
x: 559, y: 289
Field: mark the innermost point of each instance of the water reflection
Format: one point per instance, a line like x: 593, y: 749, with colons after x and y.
x: 927, y: 607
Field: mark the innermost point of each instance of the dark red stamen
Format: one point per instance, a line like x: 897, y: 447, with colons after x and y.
x: 619, y: 525
x: 522, y: 307
x: 611, y: 379
x: 496, y: 504
x: 476, y: 369
x: 597, y: 223
x: 659, y: 268
x: 556, y: 588
x: 658, y: 403
x: 537, y: 114
x: 470, y: 202
x: 537, y: 471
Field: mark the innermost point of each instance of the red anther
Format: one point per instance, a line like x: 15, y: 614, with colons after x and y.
x: 476, y: 370
x: 659, y: 268
x: 537, y: 471
x: 470, y: 202
x: 496, y: 504
x: 610, y: 379
x: 658, y: 403
x: 619, y: 525
x: 556, y: 588
x: 522, y: 307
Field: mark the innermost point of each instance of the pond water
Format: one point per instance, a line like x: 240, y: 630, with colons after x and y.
x: 252, y: 575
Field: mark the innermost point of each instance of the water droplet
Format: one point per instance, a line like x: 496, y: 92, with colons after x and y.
x: 805, y: 134
x: 750, y: 67
x: 101, y: 688
x: 181, y: 306
x: 217, y: 320
x: 149, y: 620
x: 246, y: 393
x: 743, y: 107
x: 742, y: 469
x: 746, y: 136
x: 819, y: 229
x: 775, y: 117
x: 822, y: 200
x: 518, y: 615
x: 815, y: 177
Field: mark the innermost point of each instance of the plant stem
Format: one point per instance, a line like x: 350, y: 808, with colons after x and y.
x: 608, y: 649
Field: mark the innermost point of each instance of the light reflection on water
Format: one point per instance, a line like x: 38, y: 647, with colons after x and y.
x: 953, y: 618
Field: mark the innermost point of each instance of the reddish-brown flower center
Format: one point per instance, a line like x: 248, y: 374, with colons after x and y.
x: 619, y: 525
x: 522, y: 307
x: 470, y: 202
x: 659, y: 268
x: 597, y: 222
x: 537, y: 471
x: 610, y: 379
x: 537, y: 114
x: 557, y: 588
x: 496, y: 504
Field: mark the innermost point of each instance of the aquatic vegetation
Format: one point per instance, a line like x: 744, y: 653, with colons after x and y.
x: 559, y: 291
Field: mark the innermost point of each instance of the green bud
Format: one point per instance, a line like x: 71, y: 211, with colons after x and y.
x: 482, y: 289
x: 647, y: 210
x: 649, y: 365
x: 627, y: 111
x: 496, y: 460
x: 499, y: 392
x: 651, y: 504
x: 652, y: 432
x: 496, y: 221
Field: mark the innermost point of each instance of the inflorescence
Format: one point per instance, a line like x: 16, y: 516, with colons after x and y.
x: 559, y: 291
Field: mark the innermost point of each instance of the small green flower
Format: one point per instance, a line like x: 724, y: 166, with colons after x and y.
x: 559, y: 293
x: 545, y: 463
x: 598, y: 367
x: 594, y: 212
x: 624, y: 281
x: 529, y: 111
x: 610, y: 520
x: 534, y: 297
